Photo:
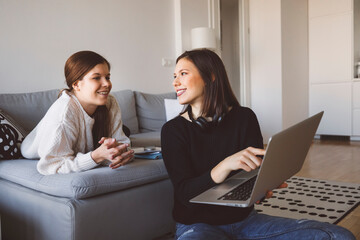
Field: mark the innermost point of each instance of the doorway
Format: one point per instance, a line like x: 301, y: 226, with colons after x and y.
x: 230, y: 50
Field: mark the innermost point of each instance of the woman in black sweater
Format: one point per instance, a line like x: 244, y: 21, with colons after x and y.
x: 213, y: 138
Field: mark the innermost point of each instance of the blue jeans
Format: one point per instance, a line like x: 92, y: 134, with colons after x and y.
x: 261, y: 226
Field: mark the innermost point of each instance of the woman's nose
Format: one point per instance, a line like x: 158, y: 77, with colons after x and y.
x: 176, y: 82
x: 106, y: 82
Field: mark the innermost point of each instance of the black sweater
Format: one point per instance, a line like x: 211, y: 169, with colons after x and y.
x: 190, y: 153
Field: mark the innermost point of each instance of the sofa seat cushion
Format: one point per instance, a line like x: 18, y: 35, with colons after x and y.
x: 145, y: 139
x: 86, y: 184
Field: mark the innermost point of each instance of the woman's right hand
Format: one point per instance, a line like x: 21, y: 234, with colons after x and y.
x: 246, y: 159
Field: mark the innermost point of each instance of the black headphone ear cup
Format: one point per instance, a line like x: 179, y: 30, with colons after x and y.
x: 218, y: 119
x: 202, y: 122
x: 215, y: 120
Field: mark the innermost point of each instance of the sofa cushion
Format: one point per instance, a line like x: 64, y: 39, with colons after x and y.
x: 126, y: 102
x: 85, y: 184
x: 27, y: 109
x: 11, y: 136
x: 150, y: 110
x: 145, y: 139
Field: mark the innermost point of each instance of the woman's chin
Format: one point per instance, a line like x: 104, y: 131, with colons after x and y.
x: 102, y: 102
x: 182, y: 101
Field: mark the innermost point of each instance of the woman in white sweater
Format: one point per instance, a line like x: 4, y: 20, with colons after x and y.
x: 83, y: 127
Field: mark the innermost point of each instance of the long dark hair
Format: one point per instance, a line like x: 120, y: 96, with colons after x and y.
x: 76, y: 67
x: 218, y: 95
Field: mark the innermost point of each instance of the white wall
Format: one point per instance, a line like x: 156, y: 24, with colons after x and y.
x: 278, y: 63
x: 265, y: 64
x: 295, y: 61
x: 192, y: 14
x: 36, y: 38
x: 134, y: 35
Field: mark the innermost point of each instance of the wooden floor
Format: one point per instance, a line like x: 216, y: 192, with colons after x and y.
x: 337, y: 161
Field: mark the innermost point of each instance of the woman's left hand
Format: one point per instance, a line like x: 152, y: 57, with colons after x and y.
x: 269, y: 194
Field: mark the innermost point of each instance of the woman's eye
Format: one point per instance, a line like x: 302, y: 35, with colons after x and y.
x: 183, y: 73
x: 96, y: 78
x: 108, y: 78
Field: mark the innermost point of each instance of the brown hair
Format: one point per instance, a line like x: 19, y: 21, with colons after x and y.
x: 218, y: 95
x: 76, y: 67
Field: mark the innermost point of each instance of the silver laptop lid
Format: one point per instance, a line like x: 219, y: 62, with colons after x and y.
x: 287, y: 151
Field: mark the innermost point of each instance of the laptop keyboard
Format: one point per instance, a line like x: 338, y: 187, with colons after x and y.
x: 241, y: 192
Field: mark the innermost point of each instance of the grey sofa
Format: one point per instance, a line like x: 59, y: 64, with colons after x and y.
x: 131, y: 202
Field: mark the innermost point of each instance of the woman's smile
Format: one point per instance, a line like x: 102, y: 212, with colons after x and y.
x: 104, y: 93
x: 180, y: 92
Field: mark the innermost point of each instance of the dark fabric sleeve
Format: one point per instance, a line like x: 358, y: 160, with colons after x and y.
x: 177, y: 158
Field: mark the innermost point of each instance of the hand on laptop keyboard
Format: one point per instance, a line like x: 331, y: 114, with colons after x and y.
x: 246, y: 159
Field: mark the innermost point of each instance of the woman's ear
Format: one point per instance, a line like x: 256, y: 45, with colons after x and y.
x: 75, y: 85
x: 212, y: 77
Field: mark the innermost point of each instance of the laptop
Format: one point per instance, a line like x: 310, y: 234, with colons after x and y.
x: 284, y: 157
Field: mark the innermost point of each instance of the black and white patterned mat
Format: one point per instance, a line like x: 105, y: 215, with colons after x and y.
x: 315, y: 199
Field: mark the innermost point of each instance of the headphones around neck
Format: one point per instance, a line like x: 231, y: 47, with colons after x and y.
x: 202, y: 122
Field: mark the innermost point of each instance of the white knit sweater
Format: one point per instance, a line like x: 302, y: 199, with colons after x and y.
x: 63, y: 138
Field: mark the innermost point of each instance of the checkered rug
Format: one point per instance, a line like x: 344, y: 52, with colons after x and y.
x: 314, y: 199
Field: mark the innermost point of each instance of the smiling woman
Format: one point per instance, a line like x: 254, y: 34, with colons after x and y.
x: 93, y: 90
x: 83, y: 128
x: 213, y: 138
x: 188, y: 83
